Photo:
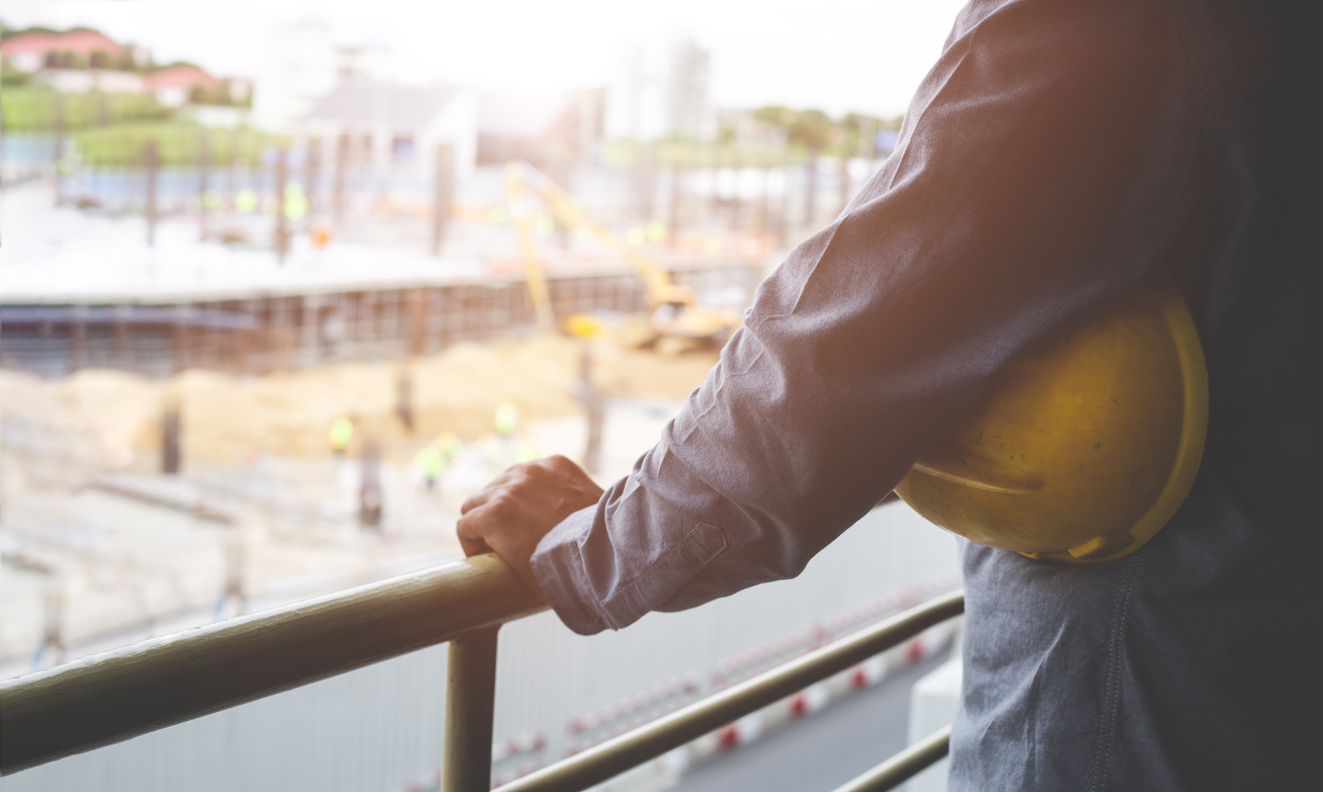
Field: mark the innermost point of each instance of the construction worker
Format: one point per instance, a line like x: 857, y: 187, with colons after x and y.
x: 404, y: 399
x: 436, y: 457
x: 507, y: 427
x: 1061, y: 155
x: 506, y: 419
x: 342, y: 434
x: 370, y: 495
x: 432, y: 463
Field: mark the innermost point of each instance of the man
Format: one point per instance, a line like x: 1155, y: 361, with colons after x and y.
x: 1058, y: 154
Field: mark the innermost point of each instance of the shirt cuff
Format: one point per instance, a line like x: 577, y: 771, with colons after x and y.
x: 558, y: 567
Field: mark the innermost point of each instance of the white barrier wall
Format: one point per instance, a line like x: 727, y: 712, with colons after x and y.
x: 933, y: 704
x: 379, y: 728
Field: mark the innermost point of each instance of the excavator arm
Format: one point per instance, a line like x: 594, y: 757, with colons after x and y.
x: 672, y: 309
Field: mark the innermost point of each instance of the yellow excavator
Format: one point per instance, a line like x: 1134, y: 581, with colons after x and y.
x: 673, y: 310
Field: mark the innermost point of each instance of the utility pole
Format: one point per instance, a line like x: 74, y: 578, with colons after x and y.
x: 811, y: 189
x: 594, y: 409
x: 677, y: 186
x: 282, y: 226
x: 53, y: 651
x: 170, y: 438
x: 4, y: 502
x: 312, y: 176
x: 443, y: 197
x: 369, y: 490
x: 232, y: 178
x: 783, y: 222
x: 868, y: 143
x: 59, y: 148
x: 645, y: 168
x: 204, y: 168
x: 338, y: 188
x: 737, y: 165
x: 846, y: 193
x: 714, y: 199
x: 152, y: 166
x: 233, y: 599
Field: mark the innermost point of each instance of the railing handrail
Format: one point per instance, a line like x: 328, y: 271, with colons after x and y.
x: 903, y: 766
x: 113, y: 696
x: 671, y: 731
x: 116, y: 695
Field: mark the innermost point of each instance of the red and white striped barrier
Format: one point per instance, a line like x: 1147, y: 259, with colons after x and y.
x: 618, y: 717
x: 516, y: 746
x: 809, y: 700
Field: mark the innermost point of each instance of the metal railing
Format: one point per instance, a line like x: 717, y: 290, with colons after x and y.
x: 113, y: 696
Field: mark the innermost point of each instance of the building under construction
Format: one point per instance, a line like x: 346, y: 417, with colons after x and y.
x: 298, y: 325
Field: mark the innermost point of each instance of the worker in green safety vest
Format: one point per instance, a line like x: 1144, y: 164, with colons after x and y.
x: 342, y: 432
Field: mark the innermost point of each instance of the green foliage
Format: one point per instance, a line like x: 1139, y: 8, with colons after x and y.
x: 14, y: 78
x: 8, y: 31
x: 810, y: 129
x: 809, y: 133
x: 775, y: 116
x: 814, y: 131
x: 178, y: 143
x: 219, y: 98
x: 172, y: 64
x: 39, y: 109
x: 703, y: 154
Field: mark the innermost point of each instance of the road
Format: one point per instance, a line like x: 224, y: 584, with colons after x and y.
x: 823, y: 751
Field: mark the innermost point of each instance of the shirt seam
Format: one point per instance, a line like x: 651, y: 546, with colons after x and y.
x: 674, y: 549
x: 591, y: 607
x: 1112, y: 694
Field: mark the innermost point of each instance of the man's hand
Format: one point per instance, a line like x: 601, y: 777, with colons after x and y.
x: 513, y: 513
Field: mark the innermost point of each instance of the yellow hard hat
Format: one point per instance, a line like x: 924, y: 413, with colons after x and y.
x: 1083, y: 448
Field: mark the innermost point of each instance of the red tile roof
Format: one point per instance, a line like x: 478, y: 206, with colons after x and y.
x: 82, y: 42
x: 179, y: 77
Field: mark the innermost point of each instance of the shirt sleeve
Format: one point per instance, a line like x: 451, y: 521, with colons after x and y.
x: 1046, y: 164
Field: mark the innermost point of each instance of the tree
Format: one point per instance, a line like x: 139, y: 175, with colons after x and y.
x: 810, y: 130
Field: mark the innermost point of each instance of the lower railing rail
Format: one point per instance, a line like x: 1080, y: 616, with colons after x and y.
x: 117, y: 695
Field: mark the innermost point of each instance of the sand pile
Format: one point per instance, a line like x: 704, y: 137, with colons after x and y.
x: 227, y: 419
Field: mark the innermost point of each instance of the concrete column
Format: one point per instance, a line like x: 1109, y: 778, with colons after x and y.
x: 310, y: 336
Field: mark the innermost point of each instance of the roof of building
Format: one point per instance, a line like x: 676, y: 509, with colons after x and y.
x: 393, y: 105
x: 83, y: 42
x: 179, y: 76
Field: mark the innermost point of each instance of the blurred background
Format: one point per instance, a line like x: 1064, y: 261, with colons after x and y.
x: 282, y: 283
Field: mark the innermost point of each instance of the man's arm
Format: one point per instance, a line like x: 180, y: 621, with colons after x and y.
x: 1046, y: 165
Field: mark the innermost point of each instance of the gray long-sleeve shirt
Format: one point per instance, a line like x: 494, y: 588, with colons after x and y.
x: 1058, y: 153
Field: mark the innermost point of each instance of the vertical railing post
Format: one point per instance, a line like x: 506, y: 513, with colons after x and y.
x: 470, y: 698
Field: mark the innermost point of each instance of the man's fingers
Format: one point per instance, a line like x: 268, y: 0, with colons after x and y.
x: 469, y: 531
x: 482, y: 496
x: 475, y: 500
x: 498, y: 484
x: 474, y: 547
x: 512, y: 514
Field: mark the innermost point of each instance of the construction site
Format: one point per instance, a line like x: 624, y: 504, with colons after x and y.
x: 204, y: 432
x: 236, y: 374
x: 186, y: 396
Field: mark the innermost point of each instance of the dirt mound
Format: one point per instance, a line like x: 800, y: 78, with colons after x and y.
x: 227, y: 419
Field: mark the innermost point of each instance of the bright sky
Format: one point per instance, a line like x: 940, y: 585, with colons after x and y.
x: 838, y: 55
